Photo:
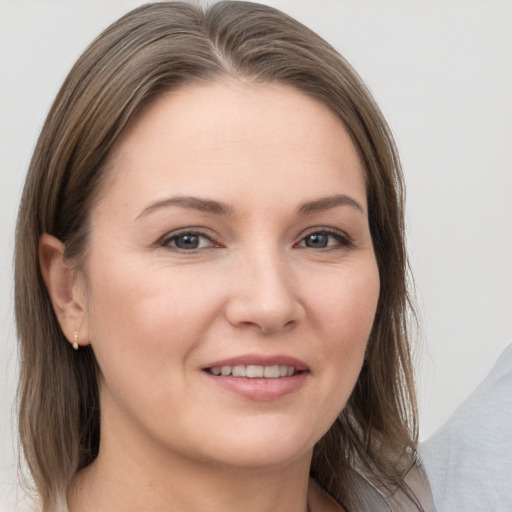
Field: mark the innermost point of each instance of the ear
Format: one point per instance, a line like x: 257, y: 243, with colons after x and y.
x: 65, y: 288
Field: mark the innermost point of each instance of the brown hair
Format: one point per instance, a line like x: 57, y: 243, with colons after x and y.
x: 152, y: 49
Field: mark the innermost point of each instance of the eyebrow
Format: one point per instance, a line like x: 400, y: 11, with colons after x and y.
x: 326, y: 203
x: 217, y: 208
x: 194, y: 203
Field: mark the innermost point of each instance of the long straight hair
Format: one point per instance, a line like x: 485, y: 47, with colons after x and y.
x: 157, y: 48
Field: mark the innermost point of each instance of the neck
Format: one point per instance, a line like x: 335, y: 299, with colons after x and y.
x: 133, y: 477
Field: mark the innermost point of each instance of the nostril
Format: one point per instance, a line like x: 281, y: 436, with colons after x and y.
x: 267, y: 330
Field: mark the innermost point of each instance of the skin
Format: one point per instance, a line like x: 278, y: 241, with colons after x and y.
x: 157, y: 314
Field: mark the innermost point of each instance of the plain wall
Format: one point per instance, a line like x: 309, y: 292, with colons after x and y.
x: 441, y: 72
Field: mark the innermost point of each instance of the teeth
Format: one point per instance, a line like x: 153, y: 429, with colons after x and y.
x: 254, y: 371
x: 271, y: 372
x: 239, y: 371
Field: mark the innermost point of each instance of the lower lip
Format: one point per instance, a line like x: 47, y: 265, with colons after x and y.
x: 260, y: 389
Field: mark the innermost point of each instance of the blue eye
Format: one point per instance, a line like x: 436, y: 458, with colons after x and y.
x: 188, y: 241
x: 324, y: 240
x: 317, y: 240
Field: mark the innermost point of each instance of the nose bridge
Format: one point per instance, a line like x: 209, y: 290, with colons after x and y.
x: 265, y: 294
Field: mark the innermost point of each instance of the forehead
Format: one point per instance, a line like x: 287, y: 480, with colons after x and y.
x: 198, y: 137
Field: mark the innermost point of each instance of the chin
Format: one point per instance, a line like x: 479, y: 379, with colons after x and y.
x: 255, y: 457
x: 261, y: 445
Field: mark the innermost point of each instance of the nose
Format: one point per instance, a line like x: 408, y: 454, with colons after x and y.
x: 264, y: 295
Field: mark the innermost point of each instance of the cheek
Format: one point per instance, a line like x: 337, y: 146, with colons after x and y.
x: 348, y: 304
x: 144, y: 333
x: 121, y: 309
x: 346, y: 318
x: 146, y: 320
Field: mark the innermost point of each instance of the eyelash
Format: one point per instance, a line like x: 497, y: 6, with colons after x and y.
x: 169, y: 240
x: 343, y: 240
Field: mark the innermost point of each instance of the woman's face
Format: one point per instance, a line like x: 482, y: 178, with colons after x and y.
x: 231, y: 238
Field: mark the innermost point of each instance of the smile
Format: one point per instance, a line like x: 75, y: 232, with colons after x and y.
x: 253, y: 371
x: 258, y: 377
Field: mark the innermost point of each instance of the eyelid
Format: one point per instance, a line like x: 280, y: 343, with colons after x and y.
x: 165, y: 241
x: 344, y: 239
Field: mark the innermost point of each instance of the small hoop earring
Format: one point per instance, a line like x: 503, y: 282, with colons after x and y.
x: 75, y: 343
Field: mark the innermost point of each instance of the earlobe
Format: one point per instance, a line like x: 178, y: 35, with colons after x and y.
x: 63, y: 287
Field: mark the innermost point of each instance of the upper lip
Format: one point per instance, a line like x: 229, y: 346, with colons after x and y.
x: 259, y: 360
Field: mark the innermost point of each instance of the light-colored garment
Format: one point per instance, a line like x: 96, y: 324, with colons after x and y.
x: 469, y: 459
x: 62, y: 505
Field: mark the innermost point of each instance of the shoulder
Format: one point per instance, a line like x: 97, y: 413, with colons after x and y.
x: 469, y: 459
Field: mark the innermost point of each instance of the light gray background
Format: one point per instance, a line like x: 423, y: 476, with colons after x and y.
x: 441, y: 72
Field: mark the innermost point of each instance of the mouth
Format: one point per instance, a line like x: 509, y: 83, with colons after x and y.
x: 258, y: 377
x: 253, y: 371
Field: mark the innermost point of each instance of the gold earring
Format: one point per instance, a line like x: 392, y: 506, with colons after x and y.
x: 75, y: 343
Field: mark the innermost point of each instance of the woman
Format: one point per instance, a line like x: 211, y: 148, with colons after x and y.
x: 213, y: 220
